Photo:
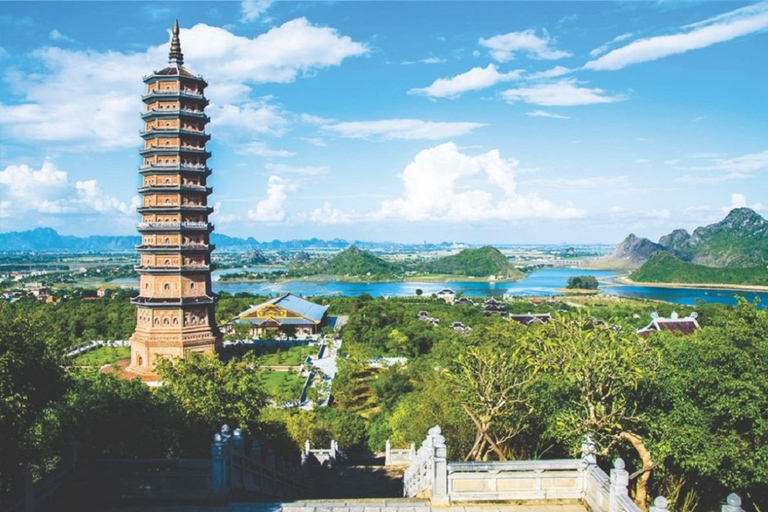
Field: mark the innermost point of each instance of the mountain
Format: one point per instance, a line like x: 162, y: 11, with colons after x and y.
x: 665, y: 268
x: 483, y: 262
x: 349, y: 262
x: 740, y: 240
x: 634, y: 251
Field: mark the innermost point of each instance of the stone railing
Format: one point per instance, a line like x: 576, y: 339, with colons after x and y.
x: 397, y: 457
x: 430, y: 476
x: 256, y: 472
x: 330, y: 456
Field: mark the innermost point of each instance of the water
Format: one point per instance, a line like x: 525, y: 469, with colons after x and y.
x: 539, y: 283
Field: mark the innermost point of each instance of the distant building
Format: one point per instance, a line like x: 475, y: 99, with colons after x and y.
x: 531, y: 318
x: 101, y: 292
x: 460, y: 328
x: 684, y: 325
x: 286, y: 311
x: 492, y: 307
x: 447, y: 295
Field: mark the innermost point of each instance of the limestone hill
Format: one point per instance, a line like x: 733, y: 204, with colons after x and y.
x: 483, y: 262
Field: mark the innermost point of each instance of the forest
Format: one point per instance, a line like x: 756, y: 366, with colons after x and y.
x: 686, y: 412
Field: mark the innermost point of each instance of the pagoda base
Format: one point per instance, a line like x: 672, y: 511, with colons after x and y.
x: 146, y: 348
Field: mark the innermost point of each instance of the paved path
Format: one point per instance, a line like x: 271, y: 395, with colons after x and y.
x: 372, y: 505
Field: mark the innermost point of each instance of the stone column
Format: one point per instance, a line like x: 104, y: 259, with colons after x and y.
x: 440, y: 468
x: 387, y: 453
x: 237, y: 455
x: 219, y: 483
x: 732, y: 504
x: 619, y: 484
x: 659, y: 505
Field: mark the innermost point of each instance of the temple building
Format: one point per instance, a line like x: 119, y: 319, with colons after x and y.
x: 284, y: 313
x: 175, y: 305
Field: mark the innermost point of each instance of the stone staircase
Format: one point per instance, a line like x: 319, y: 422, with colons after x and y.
x: 358, y: 482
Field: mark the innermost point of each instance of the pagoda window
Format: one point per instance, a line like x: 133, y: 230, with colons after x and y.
x: 167, y: 180
x: 141, y: 361
x: 167, y: 241
x: 157, y: 321
x: 175, y: 321
x: 166, y: 286
x: 167, y: 263
x: 167, y: 201
x: 166, y: 322
x: 191, y: 286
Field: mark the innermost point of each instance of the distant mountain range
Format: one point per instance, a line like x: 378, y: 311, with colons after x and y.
x: 48, y: 240
x: 738, y: 241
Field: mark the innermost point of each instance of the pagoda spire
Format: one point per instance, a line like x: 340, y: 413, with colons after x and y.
x: 175, y: 57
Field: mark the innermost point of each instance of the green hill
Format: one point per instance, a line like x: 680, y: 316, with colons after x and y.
x: 665, y: 268
x: 351, y: 262
x: 483, y: 262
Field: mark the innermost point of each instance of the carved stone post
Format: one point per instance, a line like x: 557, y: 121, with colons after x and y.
x: 588, y: 451
x: 732, y: 504
x: 237, y: 455
x: 307, y: 447
x: 219, y: 484
x: 619, y: 484
x: 440, y: 468
x: 659, y: 505
x: 387, y: 453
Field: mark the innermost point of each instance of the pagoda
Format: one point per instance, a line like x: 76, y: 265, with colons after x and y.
x: 175, y: 305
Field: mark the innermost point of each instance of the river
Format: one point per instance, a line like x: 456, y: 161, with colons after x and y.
x: 538, y: 283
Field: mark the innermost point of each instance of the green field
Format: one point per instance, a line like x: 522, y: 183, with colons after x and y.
x: 282, y: 384
x: 293, y: 356
x: 102, y: 356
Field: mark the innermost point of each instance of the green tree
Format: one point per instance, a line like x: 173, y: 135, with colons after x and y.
x: 592, y: 372
x: 210, y: 392
x: 30, y: 382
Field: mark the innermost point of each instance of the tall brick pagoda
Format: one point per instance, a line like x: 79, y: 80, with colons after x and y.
x: 175, y: 303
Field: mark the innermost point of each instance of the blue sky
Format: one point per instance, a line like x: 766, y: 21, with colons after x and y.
x: 482, y: 122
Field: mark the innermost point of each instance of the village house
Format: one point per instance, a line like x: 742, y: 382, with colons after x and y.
x: 530, y: 318
x: 676, y: 324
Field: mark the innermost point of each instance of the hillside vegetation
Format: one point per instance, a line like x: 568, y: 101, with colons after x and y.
x: 349, y: 262
x: 665, y: 268
x: 483, y: 262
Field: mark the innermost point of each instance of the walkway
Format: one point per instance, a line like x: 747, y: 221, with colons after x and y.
x: 371, y: 505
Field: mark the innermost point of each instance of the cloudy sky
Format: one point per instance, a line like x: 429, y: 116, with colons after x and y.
x: 497, y: 122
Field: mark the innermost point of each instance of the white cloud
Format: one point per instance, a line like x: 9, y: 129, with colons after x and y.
x: 315, y: 141
x: 390, y: 129
x: 436, y: 189
x: 89, y: 194
x: 740, y: 201
x: 473, y: 80
x: 725, y: 27
x: 271, y: 208
x: 564, y: 93
x: 253, y: 9
x: 48, y: 191
x: 504, y: 47
x: 55, y: 35
x: 428, y: 60
x: 248, y: 118
x: 739, y: 167
x: 325, y: 215
x: 582, y: 183
x: 550, y: 73
x: 261, y: 148
x: 291, y: 169
x: 541, y: 113
x: 109, y: 84
x: 5, y: 209
x: 604, y: 47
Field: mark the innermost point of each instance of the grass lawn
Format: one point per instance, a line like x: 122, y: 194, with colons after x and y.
x: 275, y: 381
x: 292, y: 356
x: 102, y: 356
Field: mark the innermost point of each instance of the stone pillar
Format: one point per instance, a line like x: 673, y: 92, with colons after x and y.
x: 256, y: 451
x: 219, y: 477
x: 387, y: 453
x: 307, y: 447
x: 332, y: 452
x: 588, y: 451
x: 732, y: 504
x: 659, y: 505
x: 237, y: 456
x: 440, y: 468
x: 619, y: 484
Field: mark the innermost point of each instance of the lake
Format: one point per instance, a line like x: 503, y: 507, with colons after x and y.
x: 538, y: 283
